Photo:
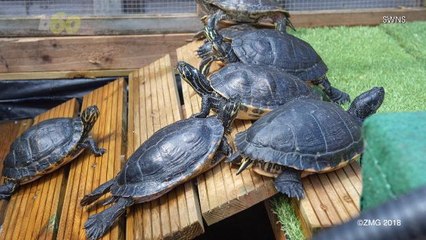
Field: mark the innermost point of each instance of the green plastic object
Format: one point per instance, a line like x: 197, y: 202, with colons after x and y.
x: 394, y: 160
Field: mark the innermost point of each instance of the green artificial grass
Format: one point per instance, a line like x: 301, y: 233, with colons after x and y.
x: 392, y: 56
x: 290, y: 224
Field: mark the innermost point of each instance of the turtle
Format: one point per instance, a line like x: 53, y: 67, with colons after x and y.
x: 246, y: 11
x: 259, y: 88
x: 46, y: 146
x: 204, y: 50
x: 305, y: 136
x: 171, y: 156
x: 269, y: 47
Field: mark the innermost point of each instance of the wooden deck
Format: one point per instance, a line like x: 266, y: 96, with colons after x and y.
x: 49, y: 207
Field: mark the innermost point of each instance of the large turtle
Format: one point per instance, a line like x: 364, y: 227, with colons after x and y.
x: 259, y: 88
x: 305, y: 136
x: 46, y: 146
x: 173, y: 155
x: 246, y: 11
x: 269, y: 47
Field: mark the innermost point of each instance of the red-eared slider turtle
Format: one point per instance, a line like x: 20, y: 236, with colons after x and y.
x: 259, y: 88
x: 173, y: 155
x: 46, y: 146
x: 228, y: 33
x: 305, y: 136
x: 269, y: 47
x: 246, y: 11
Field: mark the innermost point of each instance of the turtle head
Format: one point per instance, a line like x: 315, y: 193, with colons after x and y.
x: 367, y: 103
x: 229, y: 112
x: 89, y: 117
x: 194, y: 78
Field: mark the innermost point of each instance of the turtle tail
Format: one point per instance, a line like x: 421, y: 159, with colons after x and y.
x: 97, y: 193
x: 7, y: 189
x: 97, y: 225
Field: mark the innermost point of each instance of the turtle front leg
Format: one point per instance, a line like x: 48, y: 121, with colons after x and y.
x: 208, y: 102
x: 225, y: 150
x: 333, y: 93
x: 234, y: 158
x: 7, y: 189
x: 204, y: 50
x: 91, y: 144
x: 289, y: 183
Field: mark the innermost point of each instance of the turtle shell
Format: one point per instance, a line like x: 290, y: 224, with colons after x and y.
x: 260, y: 88
x: 304, y: 134
x: 171, y: 156
x: 242, y: 8
x: 43, y: 148
x: 285, y: 51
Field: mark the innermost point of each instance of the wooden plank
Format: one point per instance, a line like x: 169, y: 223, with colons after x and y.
x: 85, y: 53
x: 65, y: 74
x: 104, y: 25
x: 34, y: 210
x: 331, y: 198
x: 222, y: 193
x: 10, y: 131
x: 184, y: 23
x: 275, y: 223
x: 90, y: 171
x: 153, y: 104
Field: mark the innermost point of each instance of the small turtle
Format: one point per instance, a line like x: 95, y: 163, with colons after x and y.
x: 246, y: 11
x: 259, y: 88
x: 228, y: 33
x: 269, y: 47
x: 173, y: 155
x: 46, y: 146
x: 305, y: 136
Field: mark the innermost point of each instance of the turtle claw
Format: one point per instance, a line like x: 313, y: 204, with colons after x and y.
x: 292, y: 190
x: 95, y: 227
x: 100, y: 152
x: 289, y: 183
x: 339, y: 97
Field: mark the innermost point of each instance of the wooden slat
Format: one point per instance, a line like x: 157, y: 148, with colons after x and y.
x: 153, y: 104
x: 85, y: 53
x: 65, y: 74
x: 331, y: 198
x: 90, y: 171
x: 223, y: 193
x: 34, y: 210
x: 10, y: 131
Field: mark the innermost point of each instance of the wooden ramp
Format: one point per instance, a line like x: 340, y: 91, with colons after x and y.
x: 153, y: 104
x: 89, y: 171
x: 330, y: 198
x: 222, y: 193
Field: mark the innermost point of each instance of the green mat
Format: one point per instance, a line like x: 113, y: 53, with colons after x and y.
x: 394, y: 160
